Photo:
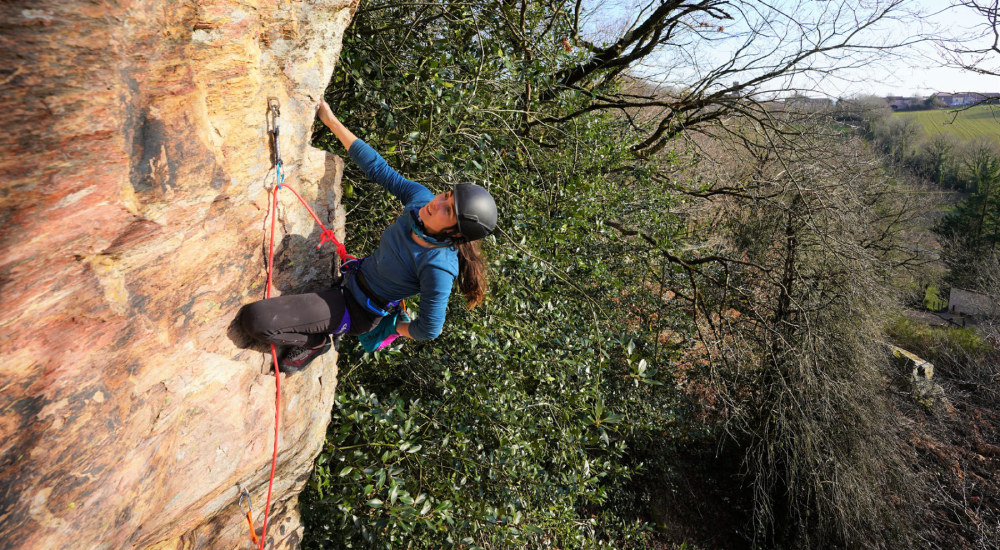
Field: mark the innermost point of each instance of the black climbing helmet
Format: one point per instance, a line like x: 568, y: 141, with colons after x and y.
x: 475, y: 210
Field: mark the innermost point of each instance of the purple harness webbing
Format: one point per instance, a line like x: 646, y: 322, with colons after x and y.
x: 345, y: 321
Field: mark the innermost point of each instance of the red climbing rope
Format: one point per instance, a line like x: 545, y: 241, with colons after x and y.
x: 328, y: 235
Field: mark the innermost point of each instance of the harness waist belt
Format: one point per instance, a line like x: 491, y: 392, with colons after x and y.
x: 375, y: 299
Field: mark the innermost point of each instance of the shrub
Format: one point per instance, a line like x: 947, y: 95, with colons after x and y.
x: 959, y: 352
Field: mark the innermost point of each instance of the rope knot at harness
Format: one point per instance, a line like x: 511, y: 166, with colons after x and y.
x: 329, y: 235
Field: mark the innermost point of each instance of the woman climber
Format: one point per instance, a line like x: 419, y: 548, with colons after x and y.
x: 429, y: 246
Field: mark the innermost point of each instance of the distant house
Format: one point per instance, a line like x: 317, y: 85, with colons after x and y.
x: 964, y: 99
x: 952, y: 100
x: 899, y: 103
x: 960, y: 99
x: 967, y: 302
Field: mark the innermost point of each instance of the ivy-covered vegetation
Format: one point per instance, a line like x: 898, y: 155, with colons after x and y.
x: 522, y: 425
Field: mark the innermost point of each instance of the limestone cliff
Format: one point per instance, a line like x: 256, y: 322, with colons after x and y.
x: 134, y: 169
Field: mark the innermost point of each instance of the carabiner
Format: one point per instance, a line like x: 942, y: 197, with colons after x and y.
x: 274, y: 108
x: 245, y: 495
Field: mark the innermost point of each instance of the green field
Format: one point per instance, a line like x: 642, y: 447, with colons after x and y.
x: 971, y: 124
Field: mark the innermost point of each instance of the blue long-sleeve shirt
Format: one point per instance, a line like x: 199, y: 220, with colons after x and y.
x: 400, y: 267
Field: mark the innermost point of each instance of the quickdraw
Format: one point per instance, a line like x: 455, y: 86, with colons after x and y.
x: 245, y: 495
x: 274, y: 110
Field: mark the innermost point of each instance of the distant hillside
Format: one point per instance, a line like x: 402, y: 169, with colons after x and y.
x: 976, y: 122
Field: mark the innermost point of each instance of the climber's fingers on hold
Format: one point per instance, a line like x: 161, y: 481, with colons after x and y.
x: 325, y: 113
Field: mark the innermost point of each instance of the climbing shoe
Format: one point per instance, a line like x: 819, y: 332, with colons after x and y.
x: 299, y: 357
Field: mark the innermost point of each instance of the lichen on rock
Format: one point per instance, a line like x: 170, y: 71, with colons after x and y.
x: 136, y: 166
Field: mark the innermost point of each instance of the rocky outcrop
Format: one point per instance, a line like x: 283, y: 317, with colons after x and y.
x: 135, y: 167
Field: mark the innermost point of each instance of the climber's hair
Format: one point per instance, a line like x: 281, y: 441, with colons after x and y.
x: 471, y: 266
x: 471, y: 272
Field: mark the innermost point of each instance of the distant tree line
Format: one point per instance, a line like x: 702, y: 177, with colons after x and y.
x: 970, y: 232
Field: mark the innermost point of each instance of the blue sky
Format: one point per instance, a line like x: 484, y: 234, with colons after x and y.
x: 913, y: 70
x: 922, y: 74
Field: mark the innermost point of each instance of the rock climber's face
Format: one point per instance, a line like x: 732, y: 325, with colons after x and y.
x: 439, y: 214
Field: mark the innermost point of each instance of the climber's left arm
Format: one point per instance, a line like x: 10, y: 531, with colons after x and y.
x: 378, y: 170
x: 371, y: 163
x: 326, y: 116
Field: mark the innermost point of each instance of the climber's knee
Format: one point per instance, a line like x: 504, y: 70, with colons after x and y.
x: 254, y: 319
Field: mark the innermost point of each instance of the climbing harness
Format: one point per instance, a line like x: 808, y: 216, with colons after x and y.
x: 245, y: 495
x: 274, y: 108
x: 373, y: 303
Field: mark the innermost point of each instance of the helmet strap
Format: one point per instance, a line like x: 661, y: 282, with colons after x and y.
x: 417, y: 226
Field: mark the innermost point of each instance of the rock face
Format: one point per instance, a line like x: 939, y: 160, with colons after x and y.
x: 135, y: 166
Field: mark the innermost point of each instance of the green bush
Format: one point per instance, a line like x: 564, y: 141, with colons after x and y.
x: 933, y: 300
x: 952, y: 350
